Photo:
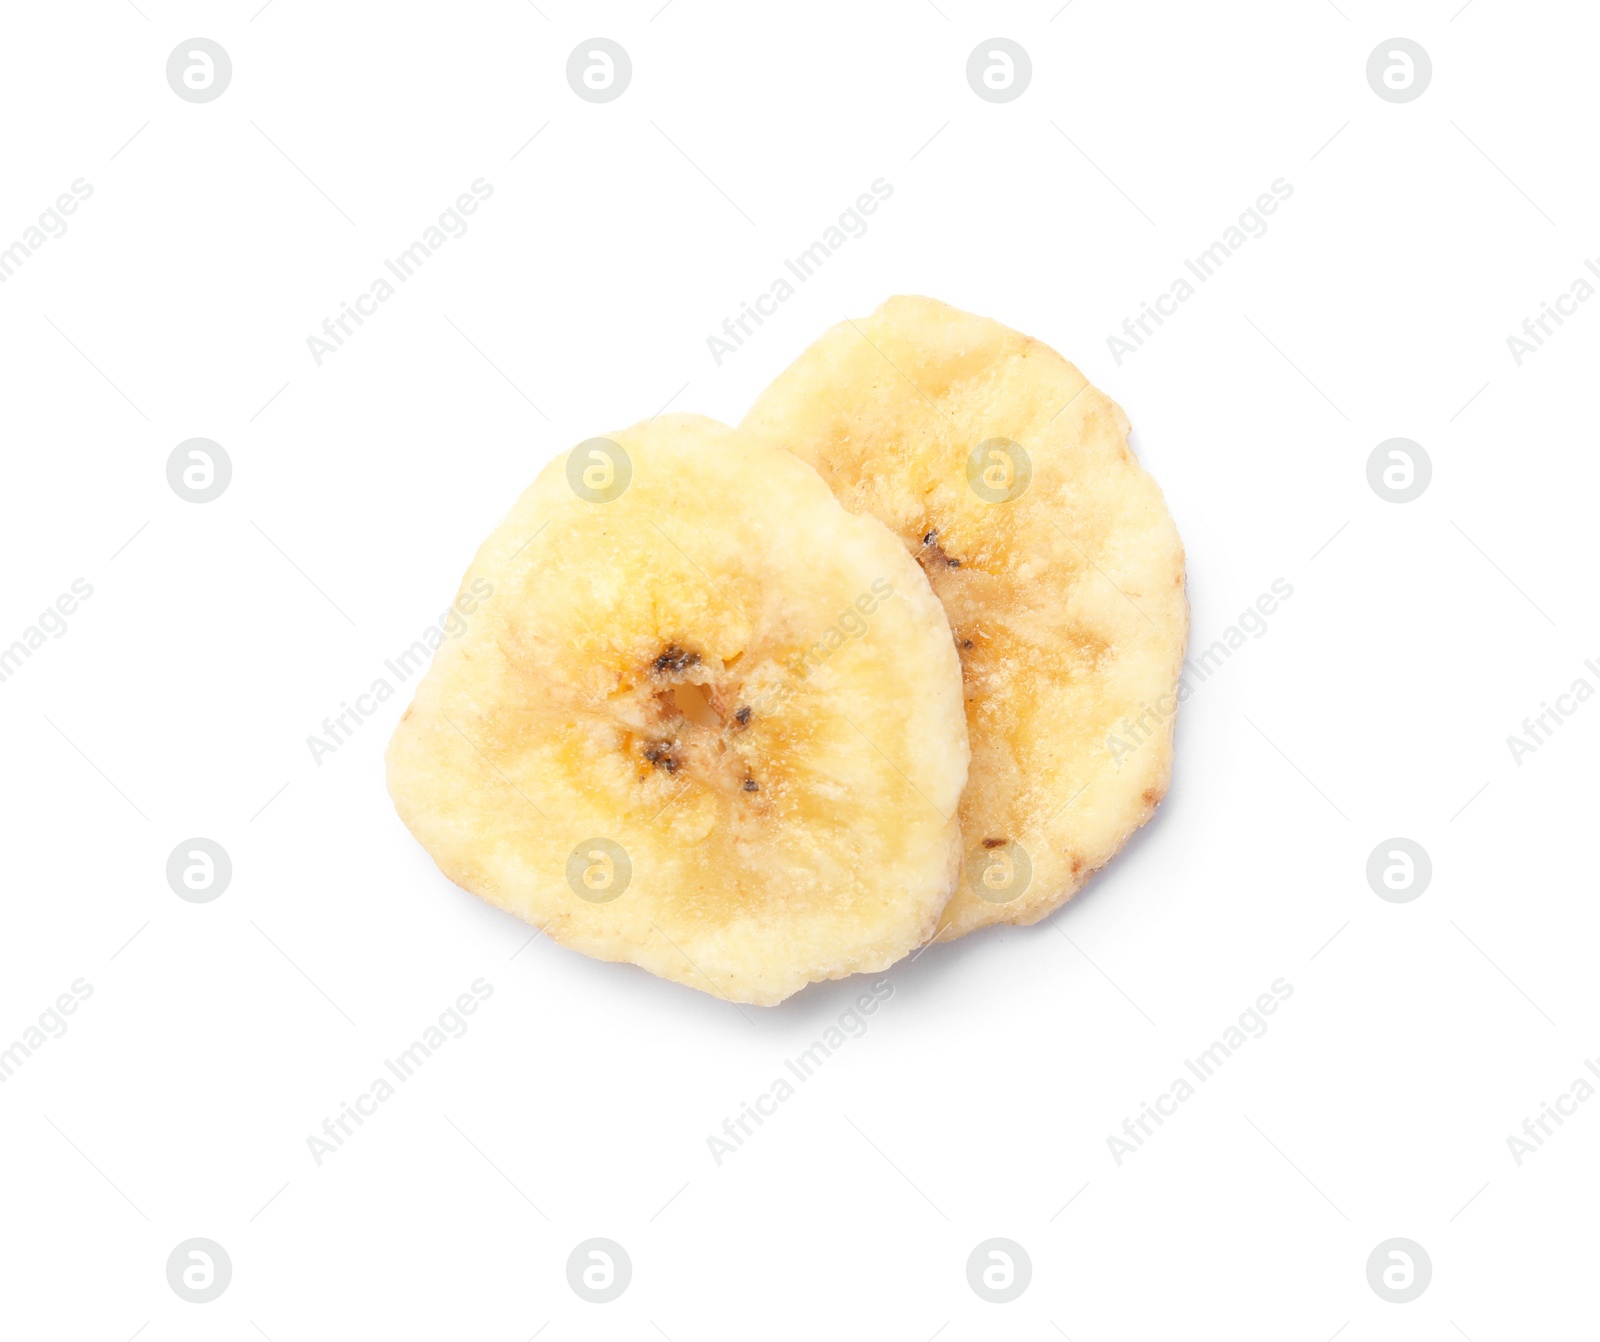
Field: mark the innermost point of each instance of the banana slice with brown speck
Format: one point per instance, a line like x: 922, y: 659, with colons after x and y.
x: 708, y: 721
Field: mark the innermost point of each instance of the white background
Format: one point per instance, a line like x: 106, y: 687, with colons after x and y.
x: 178, y: 702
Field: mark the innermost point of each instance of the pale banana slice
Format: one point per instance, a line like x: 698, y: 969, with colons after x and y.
x: 1010, y: 479
x: 707, y: 721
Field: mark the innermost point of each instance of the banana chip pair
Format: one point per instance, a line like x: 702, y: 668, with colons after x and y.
x: 894, y: 660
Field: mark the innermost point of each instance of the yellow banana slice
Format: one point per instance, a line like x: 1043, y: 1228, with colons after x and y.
x: 707, y: 721
x: 1009, y: 478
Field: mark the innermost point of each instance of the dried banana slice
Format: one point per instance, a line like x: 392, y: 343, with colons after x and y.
x: 1010, y: 480
x: 708, y: 721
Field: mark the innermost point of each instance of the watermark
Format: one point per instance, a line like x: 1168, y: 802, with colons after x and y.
x: 599, y: 70
x: 51, y: 1024
x: 998, y: 470
x: 1250, y: 625
x: 998, y: 871
x: 1538, y: 1130
x: 851, y: 223
x: 1539, y: 729
x: 999, y: 70
x: 999, y: 1270
x: 599, y: 1270
x: 1251, y: 1024
x: 51, y: 224
x: 851, y: 1024
x: 1399, y: 470
x: 1399, y: 870
x: 1536, y: 329
x: 199, y: 470
x: 1399, y: 1270
x: 338, y: 729
x: 199, y: 70
x: 50, y: 624
x: 199, y: 1270
x: 598, y: 870
x: 1399, y: 70
x: 599, y: 470
x: 451, y: 223
x: 199, y: 870
x: 850, y: 625
x: 1134, y: 731
x: 451, y: 1024
x: 1251, y: 223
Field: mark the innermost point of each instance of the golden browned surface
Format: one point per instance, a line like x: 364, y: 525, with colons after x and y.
x: 749, y: 689
x: 1066, y: 601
